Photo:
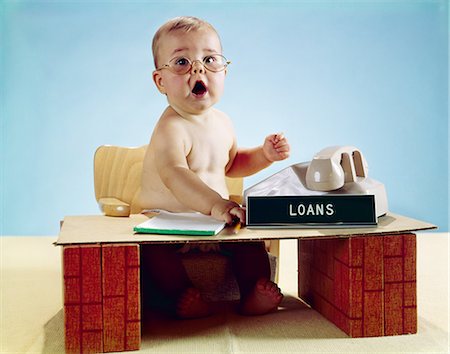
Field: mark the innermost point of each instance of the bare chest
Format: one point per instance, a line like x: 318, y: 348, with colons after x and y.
x: 209, y: 152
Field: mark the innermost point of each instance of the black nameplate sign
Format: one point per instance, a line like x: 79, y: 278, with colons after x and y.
x: 311, y: 211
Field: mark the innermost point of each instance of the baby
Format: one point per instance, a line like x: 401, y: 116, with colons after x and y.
x: 192, y: 149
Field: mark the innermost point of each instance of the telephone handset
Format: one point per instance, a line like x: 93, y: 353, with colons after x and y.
x: 334, y: 166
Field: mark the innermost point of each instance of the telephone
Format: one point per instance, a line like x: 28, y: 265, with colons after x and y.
x: 334, y: 170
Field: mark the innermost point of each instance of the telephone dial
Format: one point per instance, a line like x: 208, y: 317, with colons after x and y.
x: 333, y: 170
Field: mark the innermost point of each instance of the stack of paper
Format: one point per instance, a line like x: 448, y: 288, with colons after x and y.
x: 194, y: 224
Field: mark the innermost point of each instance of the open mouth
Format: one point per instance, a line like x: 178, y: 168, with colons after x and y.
x: 199, y: 89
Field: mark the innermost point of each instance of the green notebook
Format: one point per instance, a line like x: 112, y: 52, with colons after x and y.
x: 192, y: 224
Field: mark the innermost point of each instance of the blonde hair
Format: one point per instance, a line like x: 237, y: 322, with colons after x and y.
x: 183, y: 23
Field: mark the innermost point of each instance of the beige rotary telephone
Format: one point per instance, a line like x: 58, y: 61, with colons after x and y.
x: 334, y: 170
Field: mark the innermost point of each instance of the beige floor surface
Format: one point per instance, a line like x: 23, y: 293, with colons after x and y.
x: 31, y: 318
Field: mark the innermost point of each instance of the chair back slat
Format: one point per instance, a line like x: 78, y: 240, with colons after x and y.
x: 117, y: 173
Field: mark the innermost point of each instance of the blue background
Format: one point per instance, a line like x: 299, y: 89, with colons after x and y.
x: 76, y: 75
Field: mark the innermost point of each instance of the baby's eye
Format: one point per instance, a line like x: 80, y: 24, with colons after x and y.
x: 210, y: 59
x: 181, y: 62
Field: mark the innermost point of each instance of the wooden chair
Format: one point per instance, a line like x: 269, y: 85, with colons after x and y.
x: 117, y: 181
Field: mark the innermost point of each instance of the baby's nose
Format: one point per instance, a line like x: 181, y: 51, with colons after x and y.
x: 197, y: 67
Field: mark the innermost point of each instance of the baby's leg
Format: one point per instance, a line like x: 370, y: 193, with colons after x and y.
x: 162, y: 268
x: 251, y: 267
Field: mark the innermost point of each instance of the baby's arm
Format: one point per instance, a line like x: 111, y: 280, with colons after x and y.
x: 171, y: 147
x: 245, y: 162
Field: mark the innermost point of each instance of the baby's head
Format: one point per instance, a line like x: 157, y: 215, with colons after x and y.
x: 189, y: 66
x: 183, y: 24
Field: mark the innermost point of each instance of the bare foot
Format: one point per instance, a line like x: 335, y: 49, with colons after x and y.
x: 191, y: 305
x: 265, y: 297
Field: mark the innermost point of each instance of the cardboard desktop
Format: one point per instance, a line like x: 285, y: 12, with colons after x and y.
x: 361, y: 279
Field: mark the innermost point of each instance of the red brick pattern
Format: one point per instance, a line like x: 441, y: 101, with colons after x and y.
x: 101, y: 298
x: 365, y: 285
x: 83, y: 299
x: 400, y: 285
x: 121, y: 292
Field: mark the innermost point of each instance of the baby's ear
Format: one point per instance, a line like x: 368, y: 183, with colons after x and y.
x: 158, y: 80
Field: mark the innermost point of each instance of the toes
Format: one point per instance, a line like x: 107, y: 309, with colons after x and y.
x: 264, y: 299
x: 268, y: 287
x: 191, y: 305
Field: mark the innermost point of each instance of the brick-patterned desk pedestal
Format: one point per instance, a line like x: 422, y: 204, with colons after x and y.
x: 366, y: 286
x: 101, y: 298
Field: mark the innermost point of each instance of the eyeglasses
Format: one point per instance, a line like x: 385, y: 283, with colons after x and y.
x: 182, y: 65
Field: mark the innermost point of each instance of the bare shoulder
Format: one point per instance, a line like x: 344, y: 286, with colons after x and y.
x: 170, y: 126
x: 170, y: 135
x: 170, y: 120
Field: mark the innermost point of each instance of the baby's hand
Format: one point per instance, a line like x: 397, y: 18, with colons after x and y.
x: 228, y: 211
x: 276, y: 147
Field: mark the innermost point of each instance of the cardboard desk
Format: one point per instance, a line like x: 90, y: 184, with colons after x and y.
x: 361, y: 279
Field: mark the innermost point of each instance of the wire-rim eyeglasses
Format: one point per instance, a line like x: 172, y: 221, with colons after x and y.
x: 182, y: 65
